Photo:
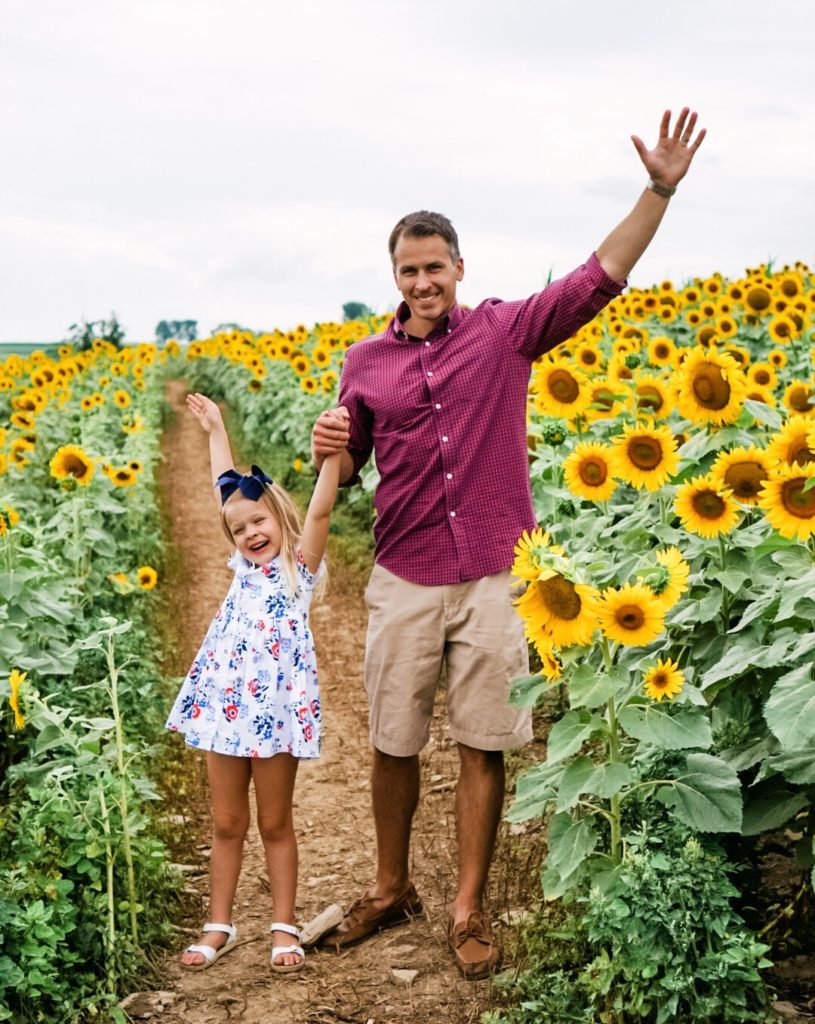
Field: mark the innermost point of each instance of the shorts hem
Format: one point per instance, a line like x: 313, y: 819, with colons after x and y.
x: 395, y: 749
x: 505, y: 741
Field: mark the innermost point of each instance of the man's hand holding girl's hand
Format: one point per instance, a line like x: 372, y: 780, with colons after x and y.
x: 330, y: 434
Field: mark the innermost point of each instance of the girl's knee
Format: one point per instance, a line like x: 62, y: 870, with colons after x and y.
x: 230, y: 826
x: 276, y: 829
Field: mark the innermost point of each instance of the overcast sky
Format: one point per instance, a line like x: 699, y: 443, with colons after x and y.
x: 245, y: 161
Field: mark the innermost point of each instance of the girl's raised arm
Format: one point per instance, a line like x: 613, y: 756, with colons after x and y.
x: 315, y: 528
x: 209, y: 416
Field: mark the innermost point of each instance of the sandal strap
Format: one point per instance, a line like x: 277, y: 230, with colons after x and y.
x: 207, y: 952
x: 289, y: 929
x: 280, y: 950
x: 229, y: 929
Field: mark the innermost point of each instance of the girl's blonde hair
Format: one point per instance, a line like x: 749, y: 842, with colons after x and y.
x: 287, y: 515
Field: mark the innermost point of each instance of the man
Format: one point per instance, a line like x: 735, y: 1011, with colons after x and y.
x: 440, y: 397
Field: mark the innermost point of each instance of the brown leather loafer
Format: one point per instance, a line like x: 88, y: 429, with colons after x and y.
x: 363, y: 918
x: 475, y: 948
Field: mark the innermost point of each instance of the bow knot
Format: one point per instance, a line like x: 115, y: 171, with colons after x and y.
x: 251, y: 484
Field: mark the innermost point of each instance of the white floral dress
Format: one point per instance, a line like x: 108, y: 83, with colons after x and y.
x: 252, y: 689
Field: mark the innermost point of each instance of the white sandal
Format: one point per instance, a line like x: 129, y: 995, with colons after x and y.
x: 277, y: 951
x: 209, y: 953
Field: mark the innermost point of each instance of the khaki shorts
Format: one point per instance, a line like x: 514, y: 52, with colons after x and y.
x: 472, y: 629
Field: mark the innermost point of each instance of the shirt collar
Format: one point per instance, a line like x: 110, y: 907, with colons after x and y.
x: 452, y: 320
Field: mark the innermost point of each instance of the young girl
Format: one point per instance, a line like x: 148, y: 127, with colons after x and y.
x: 250, y: 699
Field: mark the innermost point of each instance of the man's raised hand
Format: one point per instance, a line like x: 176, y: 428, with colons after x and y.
x: 668, y: 162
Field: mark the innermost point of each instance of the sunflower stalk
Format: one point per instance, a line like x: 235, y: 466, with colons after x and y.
x: 110, y: 935
x: 613, y: 756
x: 113, y: 691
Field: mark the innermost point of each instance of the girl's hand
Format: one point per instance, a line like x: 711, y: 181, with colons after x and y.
x: 205, y: 411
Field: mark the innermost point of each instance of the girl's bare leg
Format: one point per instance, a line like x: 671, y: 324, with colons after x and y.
x: 274, y: 790
x: 229, y: 792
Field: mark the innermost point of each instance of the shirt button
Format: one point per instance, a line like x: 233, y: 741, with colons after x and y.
x: 427, y: 344
x: 444, y: 438
x: 429, y: 373
x: 452, y: 515
x: 438, y: 406
x: 449, y: 476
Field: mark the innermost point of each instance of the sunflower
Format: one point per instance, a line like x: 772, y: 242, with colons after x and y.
x: 645, y: 456
x: 558, y: 610
x: 757, y: 298
x: 560, y: 389
x: 133, y: 424
x: 588, y: 473
x: 605, y: 400
x: 661, y: 351
x: 254, y: 385
x: 300, y: 364
x: 589, y: 358
x: 799, y: 398
x: 710, y: 388
x: 782, y: 328
x: 726, y: 326
x: 631, y: 614
x: 664, y: 679
x: 121, y: 476
x: 551, y: 666
x: 791, y: 444
x: 788, y: 506
x: 71, y: 460
x: 15, y: 680
x: 651, y: 397
x: 756, y: 393
x: 762, y: 374
x: 704, y: 507
x: 146, y: 577
x: 309, y: 385
x: 677, y: 571
x: 531, y: 553
x: 328, y: 380
x: 3, y: 463
x: 121, y: 398
x: 777, y: 357
x: 23, y: 420
x: 742, y: 471
x: 87, y: 403
x: 739, y: 354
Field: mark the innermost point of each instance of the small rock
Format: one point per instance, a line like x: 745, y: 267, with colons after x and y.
x: 787, y: 1011
x: 144, y: 1005
x: 403, y: 977
x: 515, y: 918
x: 316, y: 880
x: 400, y: 952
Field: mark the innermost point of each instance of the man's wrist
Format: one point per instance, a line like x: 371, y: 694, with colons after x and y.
x: 666, y: 191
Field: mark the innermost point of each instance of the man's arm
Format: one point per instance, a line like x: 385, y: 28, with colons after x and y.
x: 667, y: 164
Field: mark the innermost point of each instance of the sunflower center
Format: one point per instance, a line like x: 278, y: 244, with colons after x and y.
x: 604, y: 399
x: 630, y: 616
x: 563, y: 386
x: 762, y: 377
x: 801, y: 399
x: 649, y: 397
x: 709, y: 505
x: 645, y: 452
x: 76, y: 467
x: 710, y: 388
x: 659, y: 680
x: 560, y: 597
x: 593, y: 472
x: 758, y: 299
x: 798, y: 453
x: 588, y: 357
x: 797, y: 501
x: 662, y: 352
x: 745, y: 479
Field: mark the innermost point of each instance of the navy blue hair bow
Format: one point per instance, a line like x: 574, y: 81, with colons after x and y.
x: 251, y: 484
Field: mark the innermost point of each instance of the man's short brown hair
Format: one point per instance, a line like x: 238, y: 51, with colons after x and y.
x: 423, y: 224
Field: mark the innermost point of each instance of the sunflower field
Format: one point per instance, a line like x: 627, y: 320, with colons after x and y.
x: 668, y: 596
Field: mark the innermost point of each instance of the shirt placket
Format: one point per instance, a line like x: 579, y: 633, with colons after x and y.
x: 446, y: 439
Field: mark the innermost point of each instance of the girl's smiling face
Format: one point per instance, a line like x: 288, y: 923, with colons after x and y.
x: 254, y: 529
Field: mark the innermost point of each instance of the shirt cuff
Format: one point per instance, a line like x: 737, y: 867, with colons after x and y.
x: 600, y: 279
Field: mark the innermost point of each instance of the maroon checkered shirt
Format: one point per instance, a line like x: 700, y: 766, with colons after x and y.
x: 446, y: 418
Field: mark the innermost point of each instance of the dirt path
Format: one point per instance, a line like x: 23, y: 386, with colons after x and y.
x: 332, y: 816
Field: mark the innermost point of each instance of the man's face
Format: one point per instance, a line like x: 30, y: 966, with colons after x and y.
x: 426, y: 276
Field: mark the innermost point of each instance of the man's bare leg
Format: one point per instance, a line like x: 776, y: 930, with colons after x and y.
x: 395, y: 796
x: 479, y: 802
